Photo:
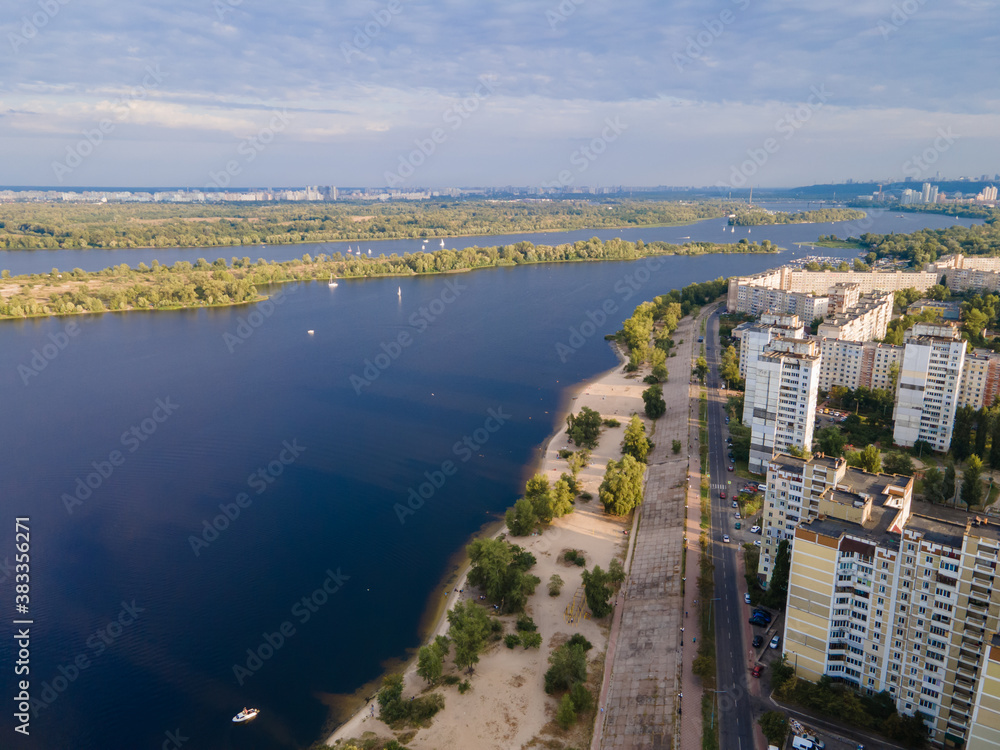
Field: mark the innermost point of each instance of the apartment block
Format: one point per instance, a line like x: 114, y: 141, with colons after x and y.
x: 795, y: 487
x: 930, y: 378
x: 789, y: 279
x: 866, y: 320
x: 980, y: 383
x: 889, y: 595
x: 854, y: 364
x: 980, y: 272
x: 755, y: 300
x: 753, y: 337
x: 780, y: 399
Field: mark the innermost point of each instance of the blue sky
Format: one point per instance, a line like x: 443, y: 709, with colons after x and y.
x: 519, y: 92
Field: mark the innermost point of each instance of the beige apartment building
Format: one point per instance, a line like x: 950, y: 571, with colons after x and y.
x: 962, y: 272
x: 889, y: 595
x: 866, y: 320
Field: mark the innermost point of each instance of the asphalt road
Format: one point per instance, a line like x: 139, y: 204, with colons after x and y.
x: 730, y: 612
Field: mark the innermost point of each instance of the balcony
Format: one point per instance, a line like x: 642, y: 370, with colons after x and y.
x: 968, y: 658
x: 967, y: 673
x: 979, y: 608
x: 984, y: 566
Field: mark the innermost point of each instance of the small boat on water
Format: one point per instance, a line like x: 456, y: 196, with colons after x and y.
x: 332, y: 283
x: 310, y: 331
x: 247, y: 714
x: 399, y: 292
x: 442, y: 243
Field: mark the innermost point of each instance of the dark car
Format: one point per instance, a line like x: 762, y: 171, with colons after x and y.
x: 759, y: 621
x: 762, y: 613
x: 758, y: 641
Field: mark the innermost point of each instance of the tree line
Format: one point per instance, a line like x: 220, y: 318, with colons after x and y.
x: 25, y: 226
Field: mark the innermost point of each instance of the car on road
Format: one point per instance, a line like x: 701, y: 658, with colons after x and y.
x: 731, y: 467
x: 725, y: 538
x: 722, y: 494
x: 757, y: 670
x: 758, y: 641
x: 755, y: 529
x: 737, y: 514
x: 746, y: 598
x: 736, y: 504
x: 775, y: 642
x: 727, y: 420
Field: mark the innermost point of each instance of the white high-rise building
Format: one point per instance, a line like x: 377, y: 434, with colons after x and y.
x: 780, y: 399
x: 930, y: 378
x: 753, y: 337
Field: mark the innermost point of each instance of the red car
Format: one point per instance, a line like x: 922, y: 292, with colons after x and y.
x: 722, y: 494
x: 757, y: 670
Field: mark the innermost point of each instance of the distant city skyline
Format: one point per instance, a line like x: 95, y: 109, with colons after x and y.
x: 416, y: 94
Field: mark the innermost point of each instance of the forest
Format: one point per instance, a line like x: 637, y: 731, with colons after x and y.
x: 204, y: 284
x: 754, y: 217
x: 30, y: 226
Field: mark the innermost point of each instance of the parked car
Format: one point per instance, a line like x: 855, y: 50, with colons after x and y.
x: 755, y: 529
x: 756, y: 542
x: 737, y: 524
x: 725, y: 538
x: 757, y: 670
x: 758, y: 621
x: 737, y: 514
x: 731, y: 467
x: 762, y: 613
x: 736, y: 504
x: 758, y: 641
x: 775, y: 642
x: 746, y: 598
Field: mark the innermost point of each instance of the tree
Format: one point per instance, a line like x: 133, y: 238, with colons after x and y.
x: 567, y: 666
x: 621, y: 490
x: 578, y: 460
x: 562, y: 498
x: 701, y: 368
x: 490, y: 559
x: 729, y: 365
x: 933, y: 485
x: 972, y: 483
x: 658, y: 360
x: 555, y: 584
x: 982, y: 430
x: 636, y: 444
x: 994, y: 457
x: 584, y: 428
x: 469, y: 629
x: 961, y: 436
x: 871, y: 459
x: 566, y: 714
x: 831, y: 441
x: 597, y: 589
x: 777, y: 590
x: 521, y: 519
x: 675, y: 446
x: 774, y: 725
x: 390, y: 699
x: 537, y: 491
x: 430, y: 664
x: 948, y: 486
x: 656, y: 407
x: 898, y: 462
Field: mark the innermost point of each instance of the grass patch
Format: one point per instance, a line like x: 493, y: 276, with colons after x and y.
x: 709, y: 738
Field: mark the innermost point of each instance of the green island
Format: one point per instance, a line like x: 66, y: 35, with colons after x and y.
x: 962, y: 210
x: 38, y: 226
x: 203, y: 284
x: 751, y: 217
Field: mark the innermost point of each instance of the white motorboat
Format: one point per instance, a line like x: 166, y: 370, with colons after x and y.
x: 247, y: 714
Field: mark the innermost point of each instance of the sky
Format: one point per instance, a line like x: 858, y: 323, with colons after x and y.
x: 436, y: 93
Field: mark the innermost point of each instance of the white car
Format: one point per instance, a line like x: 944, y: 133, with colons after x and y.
x: 725, y: 538
x: 775, y: 641
x: 755, y: 529
x: 756, y: 542
x: 746, y: 598
x: 736, y: 504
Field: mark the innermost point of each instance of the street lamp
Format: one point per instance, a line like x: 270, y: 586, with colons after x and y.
x: 711, y: 606
x: 714, y: 699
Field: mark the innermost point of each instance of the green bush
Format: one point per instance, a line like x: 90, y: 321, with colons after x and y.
x: 525, y: 624
x: 531, y: 640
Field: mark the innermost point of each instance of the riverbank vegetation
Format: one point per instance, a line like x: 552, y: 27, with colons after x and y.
x: 202, y: 284
x: 28, y: 226
x: 751, y: 217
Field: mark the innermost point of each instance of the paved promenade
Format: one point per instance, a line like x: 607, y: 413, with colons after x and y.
x: 646, y: 658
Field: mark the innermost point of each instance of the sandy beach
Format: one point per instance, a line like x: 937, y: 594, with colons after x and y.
x: 507, y: 706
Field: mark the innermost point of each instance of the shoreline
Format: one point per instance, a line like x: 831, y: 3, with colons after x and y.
x: 340, y: 277
x: 437, y: 623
